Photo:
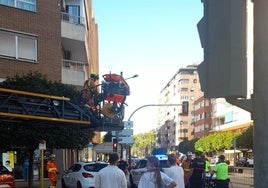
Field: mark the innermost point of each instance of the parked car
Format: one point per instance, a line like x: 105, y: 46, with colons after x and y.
x: 250, y: 162
x: 134, y: 162
x: 136, y: 172
x: 82, y: 174
x: 6, y: 177
x: 242, y: 162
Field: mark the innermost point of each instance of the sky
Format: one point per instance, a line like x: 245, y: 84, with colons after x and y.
x: 151, y: 38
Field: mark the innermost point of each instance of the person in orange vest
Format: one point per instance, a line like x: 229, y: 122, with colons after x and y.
x: 52, y: 170
x: 186, y: 167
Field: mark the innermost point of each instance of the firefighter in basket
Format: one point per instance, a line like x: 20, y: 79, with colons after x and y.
x: 90, y: 92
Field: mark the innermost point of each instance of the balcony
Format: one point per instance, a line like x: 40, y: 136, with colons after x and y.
x: 74, y: 36
x: 74, y: 72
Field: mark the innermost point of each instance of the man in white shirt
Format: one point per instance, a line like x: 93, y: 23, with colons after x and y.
x: 175, y: 172
x: 111, y: 176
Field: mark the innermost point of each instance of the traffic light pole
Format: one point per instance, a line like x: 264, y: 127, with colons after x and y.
x: 147, y: 105
x: 185, y: 108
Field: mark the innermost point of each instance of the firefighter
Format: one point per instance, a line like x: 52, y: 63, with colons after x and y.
x: 52, y: 170
x: 90, y: 90
x: 186, y: 167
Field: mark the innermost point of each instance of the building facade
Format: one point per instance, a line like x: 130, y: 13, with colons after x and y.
x: 57, y: 38
x: 175, y: 126
x: 204, y: 116
x: 202, y: 119
x: 227, y: 117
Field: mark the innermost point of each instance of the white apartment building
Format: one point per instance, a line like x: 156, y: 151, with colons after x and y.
x: 174, y: 126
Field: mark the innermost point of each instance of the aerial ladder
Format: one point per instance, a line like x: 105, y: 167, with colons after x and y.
x: 23, y: 107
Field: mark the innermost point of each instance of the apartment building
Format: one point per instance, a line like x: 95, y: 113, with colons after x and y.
x: 204, y: 116
x: 174, y: 126
x: 227, y: 117
x: 58, y: 38
x: 202, y: 119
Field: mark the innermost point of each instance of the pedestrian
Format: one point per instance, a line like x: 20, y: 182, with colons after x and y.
x: 197, y: 170
x: 221, y: 170
x: 122, y: 164
x: 111, y: 176
x: 175, y: 172
x: 186, y: 167
x: 52, y: 170
x: 178, y: 160
x: 25, y: 168
x: 153, y: 177
x: 207, y: 166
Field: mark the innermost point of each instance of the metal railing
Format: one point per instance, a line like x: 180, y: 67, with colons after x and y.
x: 72, y: 18
x: 74, y: 65
x: 242, y: 175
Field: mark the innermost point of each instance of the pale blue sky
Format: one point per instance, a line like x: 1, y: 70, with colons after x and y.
x: 151, y: 38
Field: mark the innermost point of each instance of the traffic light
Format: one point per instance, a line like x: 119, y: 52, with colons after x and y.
x: 115, y: 144
x: 185, y: 107
x: 224, y: 35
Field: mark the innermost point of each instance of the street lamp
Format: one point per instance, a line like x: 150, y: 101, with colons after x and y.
x: 134, y: 76
x: 147, y: 105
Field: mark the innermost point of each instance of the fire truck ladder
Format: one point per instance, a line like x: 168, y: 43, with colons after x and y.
x: 20, y: 107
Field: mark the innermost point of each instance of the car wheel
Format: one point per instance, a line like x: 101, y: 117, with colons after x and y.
x: 63, y: 185
x: 79, y: 185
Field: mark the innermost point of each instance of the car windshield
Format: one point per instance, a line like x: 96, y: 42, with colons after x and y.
x: 163, y: 164
x: 95, y: 167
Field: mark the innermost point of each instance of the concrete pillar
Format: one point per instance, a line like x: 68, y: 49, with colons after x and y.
x: 260, y: 96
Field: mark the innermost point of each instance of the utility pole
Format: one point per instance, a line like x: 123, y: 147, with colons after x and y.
x: 260, y: 95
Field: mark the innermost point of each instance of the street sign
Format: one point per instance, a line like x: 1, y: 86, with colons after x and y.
x: 126, y: 132
x: 128, y: 124
x: 126, y: 140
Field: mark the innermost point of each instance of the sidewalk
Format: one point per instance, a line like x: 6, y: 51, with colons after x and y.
x: 36, y: 183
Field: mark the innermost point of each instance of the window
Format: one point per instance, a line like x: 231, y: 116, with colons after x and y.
x: 74, y: 13
x: 184, y: 97
x: 29, y: 5
x: 18, y: 46
x: 184, y: 81
x: 184, y: 89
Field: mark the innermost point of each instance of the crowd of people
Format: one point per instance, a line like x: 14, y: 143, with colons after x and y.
x: 194, y: 171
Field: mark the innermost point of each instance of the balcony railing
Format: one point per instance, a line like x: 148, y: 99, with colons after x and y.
x: 72, y: 18
x: 74, y: 72
x: 75, y: 65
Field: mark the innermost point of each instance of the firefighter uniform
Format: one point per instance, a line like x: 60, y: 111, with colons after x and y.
x: 52, y: 170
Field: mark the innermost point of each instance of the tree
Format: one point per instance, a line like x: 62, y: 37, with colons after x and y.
x: 28, y: 135
x: 187, y: 145
x: 143, y: 144
x: 216, y: 142
x: 107, y: 137
x: 245, y: 140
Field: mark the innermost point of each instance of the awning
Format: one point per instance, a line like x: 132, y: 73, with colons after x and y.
x: 232, y: 151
